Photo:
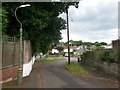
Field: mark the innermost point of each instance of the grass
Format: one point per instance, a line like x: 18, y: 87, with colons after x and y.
x: 76, y: 69
x: 50, y: 59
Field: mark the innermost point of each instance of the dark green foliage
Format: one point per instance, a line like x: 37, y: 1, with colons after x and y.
x: 98, y: 45
x: 60, y: 48
x: 75, y: 43
x: 89, y: 44
x: 103, y: 43
x: 109, y: 57
x: 41, y: 24
x: 4, y: 21
x: 105, y: 56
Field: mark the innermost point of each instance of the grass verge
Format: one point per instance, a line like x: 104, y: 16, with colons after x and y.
x: 76, y: 69
x: 50, y: 59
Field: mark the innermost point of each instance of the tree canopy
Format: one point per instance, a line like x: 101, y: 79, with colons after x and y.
x: 41, y: 24
x: 97, y: 45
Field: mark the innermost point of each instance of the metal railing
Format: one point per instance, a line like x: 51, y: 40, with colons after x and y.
x: 7, y: 38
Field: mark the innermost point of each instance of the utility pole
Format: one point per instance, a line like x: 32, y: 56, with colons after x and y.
x: 68, y: 34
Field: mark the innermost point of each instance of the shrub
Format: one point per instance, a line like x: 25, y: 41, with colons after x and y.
x: 107, y: 56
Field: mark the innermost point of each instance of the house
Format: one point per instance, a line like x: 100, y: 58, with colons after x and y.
x: 109, y: 46
x: 66, y: 50
x: 76, y: 50
x: 80, y: 50
x: 55, y: 51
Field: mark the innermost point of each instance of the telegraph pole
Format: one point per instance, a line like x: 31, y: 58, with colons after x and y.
x: 68, y: 35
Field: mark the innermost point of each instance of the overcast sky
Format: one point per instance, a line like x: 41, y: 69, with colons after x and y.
x: 94, y: 20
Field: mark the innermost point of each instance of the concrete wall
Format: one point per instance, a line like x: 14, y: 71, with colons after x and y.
x: 92, y: 58
x: 116, y: 46
x: 10, y: 60
x: 111, y: 68
x: 27, y: 51
x: 10, y: 53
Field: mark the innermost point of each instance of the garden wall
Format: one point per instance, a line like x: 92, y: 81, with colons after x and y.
x: 8, y: 74
x: 116, y: 46
x: 10, y: 58
x: 92, y: 58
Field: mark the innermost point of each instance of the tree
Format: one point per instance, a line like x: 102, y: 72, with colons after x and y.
x: 76, y: 43
x: 88, y: 44
x: 60, y: 48
x: 103, y: 43
x: 98, y: 45
x: 4, y: 21
x: 41, y: 24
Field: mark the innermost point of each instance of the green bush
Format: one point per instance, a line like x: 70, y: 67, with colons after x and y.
x: 62, y: 53
x: 115, y: 57
x: 107, y: 56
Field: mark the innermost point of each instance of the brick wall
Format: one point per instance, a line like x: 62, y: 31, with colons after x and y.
x: 10, y: 59
x: 8, y: 73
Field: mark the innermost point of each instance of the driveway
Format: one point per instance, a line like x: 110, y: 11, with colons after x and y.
x: 54, y: 75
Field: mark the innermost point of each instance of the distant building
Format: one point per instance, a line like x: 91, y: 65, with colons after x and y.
x: 80, y: 50
x: 66, y: 50
x: 55, y: 51
x: 77, y: 50
x: 109, y: 46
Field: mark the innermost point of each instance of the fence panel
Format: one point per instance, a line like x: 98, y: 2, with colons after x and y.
x: 11, y: 53
x: 8, y: 54
x: 17, y: 52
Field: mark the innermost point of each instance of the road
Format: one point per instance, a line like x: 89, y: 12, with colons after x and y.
x: 54, y: 75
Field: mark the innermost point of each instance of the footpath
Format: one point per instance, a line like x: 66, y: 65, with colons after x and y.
x: 34, y: 80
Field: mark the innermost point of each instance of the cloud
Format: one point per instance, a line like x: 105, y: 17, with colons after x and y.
x: 94, y: 20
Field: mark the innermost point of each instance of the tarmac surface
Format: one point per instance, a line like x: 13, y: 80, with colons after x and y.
x: 54, y: 75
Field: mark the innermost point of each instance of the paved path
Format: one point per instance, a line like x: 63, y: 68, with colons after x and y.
x: 53, y: 75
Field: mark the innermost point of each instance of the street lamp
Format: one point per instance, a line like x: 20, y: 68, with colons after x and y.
x: 20, y: 69
x: 66, y: 8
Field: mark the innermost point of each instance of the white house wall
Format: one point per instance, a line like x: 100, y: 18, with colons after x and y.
x: 55, y: 51
x: 66, y: 50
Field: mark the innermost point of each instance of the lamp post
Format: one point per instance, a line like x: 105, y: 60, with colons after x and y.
x: 68, y: 34
x: 20, y: 68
